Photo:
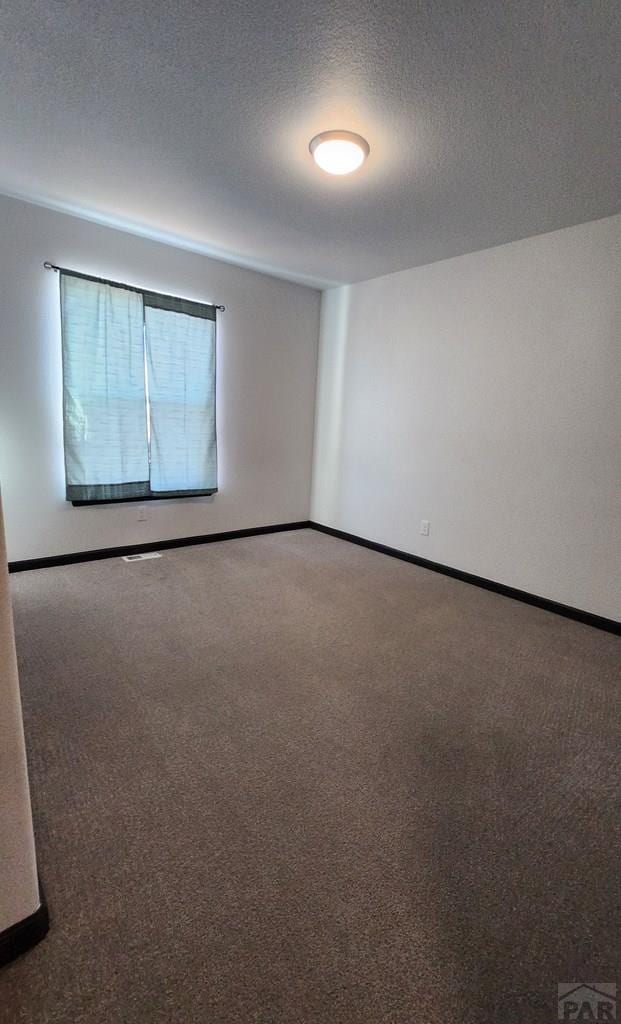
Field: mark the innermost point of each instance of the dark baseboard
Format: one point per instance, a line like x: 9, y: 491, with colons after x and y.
x: 159, y: 545
x: 23, y: 935
x: 588, y: 618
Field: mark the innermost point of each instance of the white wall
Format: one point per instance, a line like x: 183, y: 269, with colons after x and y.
x: 267, y: 349
x: 19, y: 890
x: 483, y: 393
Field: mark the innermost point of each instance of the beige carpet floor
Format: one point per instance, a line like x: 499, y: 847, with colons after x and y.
x: 287, y: 780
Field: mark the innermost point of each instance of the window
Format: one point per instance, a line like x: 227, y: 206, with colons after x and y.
x: 138, y: 393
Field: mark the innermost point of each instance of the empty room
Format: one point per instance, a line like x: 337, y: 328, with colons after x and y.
x: 310, y: 514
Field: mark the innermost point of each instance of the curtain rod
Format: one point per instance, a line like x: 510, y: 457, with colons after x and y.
x: 119, y: 284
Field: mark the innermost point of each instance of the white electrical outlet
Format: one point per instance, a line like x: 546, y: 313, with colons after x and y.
x: 142, y: 514
x: 424, y: 527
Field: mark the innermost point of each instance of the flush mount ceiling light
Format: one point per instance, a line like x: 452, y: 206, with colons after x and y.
x: 339, y: 152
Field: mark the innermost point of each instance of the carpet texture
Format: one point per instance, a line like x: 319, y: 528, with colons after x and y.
x: 288, y: 780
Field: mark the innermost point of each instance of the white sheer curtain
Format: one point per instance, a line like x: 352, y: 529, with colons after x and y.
x: 105, y: 417
x: 181, y: 354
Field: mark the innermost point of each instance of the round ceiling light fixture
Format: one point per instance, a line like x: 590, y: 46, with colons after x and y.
x: 339, y: 152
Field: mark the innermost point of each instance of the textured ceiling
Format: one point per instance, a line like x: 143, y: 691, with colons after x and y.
x: 488, y: 121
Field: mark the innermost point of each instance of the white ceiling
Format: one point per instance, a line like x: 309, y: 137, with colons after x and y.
x: 488, y: 121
